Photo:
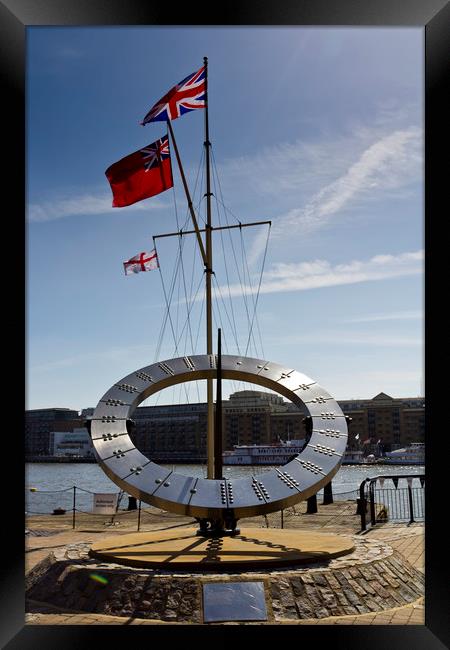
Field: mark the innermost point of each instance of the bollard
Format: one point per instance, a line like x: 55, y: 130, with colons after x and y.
x: 311, y: 507
x: 139, y: 516
x: 411, y: 507
x: 131, y: 503
x: 327, y: 494
x: 73, y: 507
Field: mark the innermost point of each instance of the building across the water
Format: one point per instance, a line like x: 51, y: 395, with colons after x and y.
x: 259, y: 418
x: 385, y: 423
x: 41, y: 426
x: 178, y: 432
x: 171, y: 433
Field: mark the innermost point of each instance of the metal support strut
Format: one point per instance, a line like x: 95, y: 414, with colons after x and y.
x: 226, y: 525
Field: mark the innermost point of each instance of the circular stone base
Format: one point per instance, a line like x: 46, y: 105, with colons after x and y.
x: 252, y: 548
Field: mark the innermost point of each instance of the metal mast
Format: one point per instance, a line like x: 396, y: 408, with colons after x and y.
x: 209, y: 271
x: 214, y: 444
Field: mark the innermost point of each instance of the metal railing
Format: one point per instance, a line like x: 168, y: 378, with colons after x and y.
x: 74, y: 507
x: 379, y: 504
x: 316, y: 512
x: 375, y: 503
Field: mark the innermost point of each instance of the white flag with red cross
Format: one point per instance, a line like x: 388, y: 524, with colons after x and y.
x: 141, y: 262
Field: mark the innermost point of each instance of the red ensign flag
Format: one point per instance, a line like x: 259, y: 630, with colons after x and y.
x: 142, y: 174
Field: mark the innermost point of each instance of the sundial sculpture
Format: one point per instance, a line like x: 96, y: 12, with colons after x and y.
x: 216, y: 502
x: 226, y: 499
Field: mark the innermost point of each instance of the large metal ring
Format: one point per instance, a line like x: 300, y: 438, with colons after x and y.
x: 273, y: 490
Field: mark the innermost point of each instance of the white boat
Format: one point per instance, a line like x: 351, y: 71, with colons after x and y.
x: 353, y: 457
x: 356, y: 457
x: 280, y: 453
x: 413, y: 454
x: 277, y: 454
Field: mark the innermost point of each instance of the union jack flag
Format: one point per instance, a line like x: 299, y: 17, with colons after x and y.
x: 186, y: 96
x: 154, y: 153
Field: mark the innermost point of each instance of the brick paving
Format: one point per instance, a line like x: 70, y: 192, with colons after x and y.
x: 408, y: 541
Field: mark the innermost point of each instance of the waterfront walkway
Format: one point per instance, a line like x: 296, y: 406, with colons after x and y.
x: 44, y: 536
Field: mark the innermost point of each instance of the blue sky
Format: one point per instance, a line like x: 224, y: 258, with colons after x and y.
x: 318, y: 129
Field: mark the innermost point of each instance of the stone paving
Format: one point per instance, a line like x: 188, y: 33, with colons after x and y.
x: 389, y: 545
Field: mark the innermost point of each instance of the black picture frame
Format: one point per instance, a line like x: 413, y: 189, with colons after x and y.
x: 433, y: 16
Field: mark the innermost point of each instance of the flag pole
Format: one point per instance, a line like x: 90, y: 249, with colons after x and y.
x: 188, y: 195
x: 209, y: 271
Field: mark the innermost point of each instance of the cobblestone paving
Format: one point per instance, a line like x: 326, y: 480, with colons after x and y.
x: 352, y: 590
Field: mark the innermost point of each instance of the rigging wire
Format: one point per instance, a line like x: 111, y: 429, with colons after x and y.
x: 180, y: 283
x: 245, y: 268
x: 202, y: 308
x: 257, y: 297
x: 224, y: 338
x: 195, y: 252
x: 244, y: 297
x: 168, y: 311
x: 191, y: 305
x: 218, y: 291
x: 176, y: 275
x: 254, y: 318
x: 167, y: 316
x: 197, y: 211
x: 255, y: 300
x: 233, y: 325
x: 251, y: 321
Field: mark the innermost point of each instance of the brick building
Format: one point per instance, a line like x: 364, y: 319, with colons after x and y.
x: 172, y: 432
x: 40, y: 426
x: 258, y: 418
x: 394, y: 421
x: 178, y: 432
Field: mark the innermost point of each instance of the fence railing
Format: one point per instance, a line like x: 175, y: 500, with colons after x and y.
x: 378, y: 500
x: 378, y: 503
x: 74, y: 506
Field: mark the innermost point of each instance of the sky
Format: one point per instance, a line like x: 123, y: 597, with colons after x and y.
x: 319, y: 130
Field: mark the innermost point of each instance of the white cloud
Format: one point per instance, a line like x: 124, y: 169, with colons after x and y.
x: 382, y: 164
x: 320, y: 273
x: 86, y: 204
x: 386, y: 164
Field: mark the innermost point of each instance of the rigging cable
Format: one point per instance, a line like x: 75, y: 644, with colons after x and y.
x: 255, y: 316
x: 233, y: 325
x: 244, y: 296
x: 178, y: 264
x: 187, y: 300
x: 168, y: 301
x: 250, y: 287
x: 257, y: 295
x: 234, y: 384
x: 232, y: 248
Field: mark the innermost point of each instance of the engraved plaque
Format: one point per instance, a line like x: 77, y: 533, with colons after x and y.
x: 234, y: 601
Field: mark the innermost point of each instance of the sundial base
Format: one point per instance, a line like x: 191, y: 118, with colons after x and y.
x: 218, y: 533
x: 252, y: 548
x: 373, y: 578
